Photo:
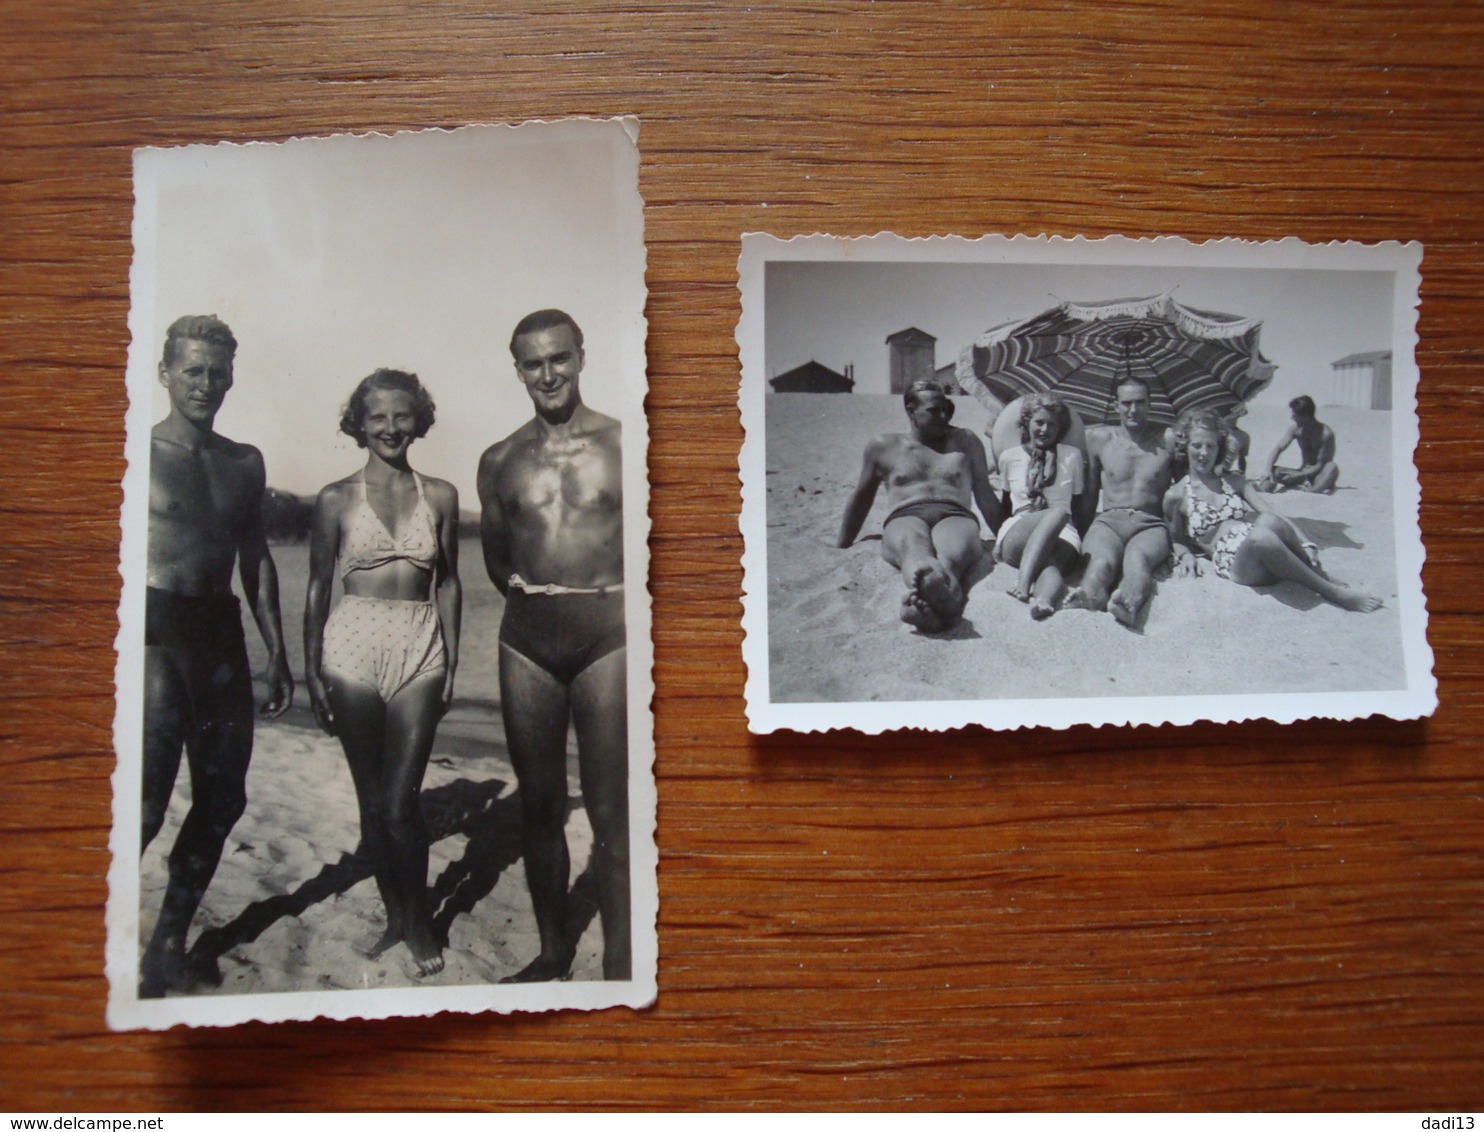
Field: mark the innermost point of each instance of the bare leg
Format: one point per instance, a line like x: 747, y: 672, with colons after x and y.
x: 1048, y: 525
x: 1051, y: 585
x: 1143, y: 555
x: 536, y: 709
x: 957, y: 548
x: 1292, y: 537
x: 1104, y: 552
x: 360, y: 716
x: 1264, y: 558
x: 1324, y: 479
x: 411, y: 721
x: 907, y: 544
x: 600, y: 716
x: 1010, y: 549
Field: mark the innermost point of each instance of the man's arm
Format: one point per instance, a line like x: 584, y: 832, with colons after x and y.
x: 492, y: 535
x: 1278, y: 449
x: 324, y: 547
x: 1174, y: 509
x: 865, y: 494
x: 260, y: 583
x: 984, y: 495
x: 1325, y: 454
x: 450, y: 594
x: 1085, y: 506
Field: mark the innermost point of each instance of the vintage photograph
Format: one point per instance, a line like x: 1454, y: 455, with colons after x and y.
x: 383, y: 727
x: 1043, y: 481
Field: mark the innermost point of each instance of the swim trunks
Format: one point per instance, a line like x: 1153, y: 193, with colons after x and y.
x: 564, y: 633
x: 1068, y: 533
x: 202, y: 638
x: 1127, y: 522
x: 382, y: 643
x: 931, y: 511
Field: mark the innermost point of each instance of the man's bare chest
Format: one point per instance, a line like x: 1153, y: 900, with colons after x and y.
x: 201, y: 489
x: 578, y: 477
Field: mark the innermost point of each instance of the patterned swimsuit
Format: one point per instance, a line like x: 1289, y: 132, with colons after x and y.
x: 1206, y: 519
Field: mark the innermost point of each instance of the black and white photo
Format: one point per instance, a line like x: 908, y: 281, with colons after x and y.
x: 385, y: 402
x: 1041, y: 481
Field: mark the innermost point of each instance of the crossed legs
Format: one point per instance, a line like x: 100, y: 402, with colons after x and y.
x: 537, y: 708
x: 933, y: 562
x: 1275, y: 552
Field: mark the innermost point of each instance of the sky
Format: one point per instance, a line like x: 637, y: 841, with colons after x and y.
x: 840, y: 313
x: 330, y: 258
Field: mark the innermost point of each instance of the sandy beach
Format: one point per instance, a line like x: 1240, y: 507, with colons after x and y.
x: 834, y: 634
x: 291, y: 904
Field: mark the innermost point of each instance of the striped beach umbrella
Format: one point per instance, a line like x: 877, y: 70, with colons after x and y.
x: 1191, y: 359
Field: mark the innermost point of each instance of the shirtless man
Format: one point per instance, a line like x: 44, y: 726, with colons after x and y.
x: 1131, y: 462
x: 205, y: 515
x: 930, y: 534
x: 1316, y: 441
x: 551, y: 498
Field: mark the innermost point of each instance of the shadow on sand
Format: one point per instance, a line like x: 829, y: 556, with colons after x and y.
x: 474, y: 809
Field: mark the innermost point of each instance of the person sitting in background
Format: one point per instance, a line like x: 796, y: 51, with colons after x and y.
x: 1044, y: 477
x: 1316, y: 441
x: 1217, y: 513
x: 932, y: 474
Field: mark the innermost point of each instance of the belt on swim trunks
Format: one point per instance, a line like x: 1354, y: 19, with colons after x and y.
x: 552, y: 588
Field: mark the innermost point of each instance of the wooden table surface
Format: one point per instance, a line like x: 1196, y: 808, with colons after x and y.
x: 1246, y: 916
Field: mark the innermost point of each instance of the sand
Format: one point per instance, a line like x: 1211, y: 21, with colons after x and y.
x: 290, y: 903
x: 834, y: 634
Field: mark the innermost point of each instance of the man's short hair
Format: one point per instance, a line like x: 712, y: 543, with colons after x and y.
x: 199, y: 328
x: 925, y: 385
x: 1130, y: 379
x: 1303, y: 405
x: 548, y: 319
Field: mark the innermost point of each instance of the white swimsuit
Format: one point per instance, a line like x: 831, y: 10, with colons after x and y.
x: 384, y: 643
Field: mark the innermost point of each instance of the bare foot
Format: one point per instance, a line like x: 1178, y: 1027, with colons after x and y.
x: 380, y: 945
x: 919, y: 614
x: 1124, y: 611
x: 1041, y: 609
x: 542, y: 970
x: 425, y: 952
x: 1078, y: 598
x: 1357, y: 602
x: 1020, y: 591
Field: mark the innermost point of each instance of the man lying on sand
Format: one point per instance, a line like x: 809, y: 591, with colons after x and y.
x: 930, y: 535
x: 1316, y: 441
x: 1131, y: 462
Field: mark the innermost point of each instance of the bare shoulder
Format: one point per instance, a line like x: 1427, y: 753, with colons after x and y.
x: 441, y: 494
x: 337, y: 495
x: 1098, y: 436
x: 497, y: 453
x: 964, y: 440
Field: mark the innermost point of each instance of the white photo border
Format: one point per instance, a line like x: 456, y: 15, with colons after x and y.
x: 1416, y: 699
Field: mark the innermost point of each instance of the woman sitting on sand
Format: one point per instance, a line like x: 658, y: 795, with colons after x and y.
x: 1211, y: 511
x: 1043, y: 476
x: 380, y: 673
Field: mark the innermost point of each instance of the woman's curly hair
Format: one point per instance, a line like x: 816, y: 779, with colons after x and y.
x: 354, y: 413
x: 1055, y: 405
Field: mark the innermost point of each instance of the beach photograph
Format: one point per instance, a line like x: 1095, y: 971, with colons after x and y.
x: 362, y: 359
x: 845, y: 348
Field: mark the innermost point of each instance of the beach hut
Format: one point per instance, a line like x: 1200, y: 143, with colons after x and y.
x: 1362, y: 381
x: 812, y: 377
x: 912, y: 356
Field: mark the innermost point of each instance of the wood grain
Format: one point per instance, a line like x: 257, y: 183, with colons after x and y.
x: 1207, y: 917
